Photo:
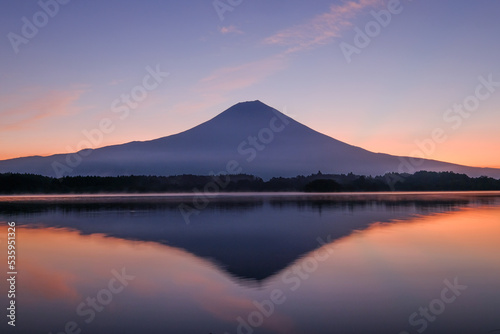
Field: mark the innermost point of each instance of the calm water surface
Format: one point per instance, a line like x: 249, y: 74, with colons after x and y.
x: 254, y: 263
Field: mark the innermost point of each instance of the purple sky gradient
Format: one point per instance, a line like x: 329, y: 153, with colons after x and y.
x: 394, y: 91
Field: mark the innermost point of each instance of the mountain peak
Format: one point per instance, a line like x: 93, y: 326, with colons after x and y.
x: 254, y: 103
x: 249, y: 106
x: 246, y: 111
x: 249, y: 137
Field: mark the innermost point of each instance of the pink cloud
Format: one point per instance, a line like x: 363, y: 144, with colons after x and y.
x: 233, y: 78
x: 230, y: 30
x: 323, y: 28
x: 19, y: 111
x: 214, y: 88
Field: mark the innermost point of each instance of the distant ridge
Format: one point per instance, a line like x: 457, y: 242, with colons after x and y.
x: 249, y: 137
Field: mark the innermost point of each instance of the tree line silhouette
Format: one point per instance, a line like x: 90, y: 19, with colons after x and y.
x: 11, y: 183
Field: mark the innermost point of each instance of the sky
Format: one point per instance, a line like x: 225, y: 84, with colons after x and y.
x: 409, y: 77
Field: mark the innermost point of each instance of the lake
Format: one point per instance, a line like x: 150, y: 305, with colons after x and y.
x: 255, y: 263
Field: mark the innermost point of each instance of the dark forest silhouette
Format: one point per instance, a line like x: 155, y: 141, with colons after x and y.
x: 11, y: 183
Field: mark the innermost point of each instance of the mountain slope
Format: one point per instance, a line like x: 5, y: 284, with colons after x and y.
x: 249, y: 137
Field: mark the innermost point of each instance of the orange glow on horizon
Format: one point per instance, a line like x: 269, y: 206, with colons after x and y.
x: 467, y: 155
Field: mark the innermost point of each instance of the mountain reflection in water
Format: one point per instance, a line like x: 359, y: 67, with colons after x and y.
x: 386, y: 255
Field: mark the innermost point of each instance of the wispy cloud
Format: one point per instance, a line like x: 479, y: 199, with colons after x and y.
x: 19, y: 110
x: 323, y: 28
x: 242, y: 76
x: 214, y: 88
x: 230, y: 30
